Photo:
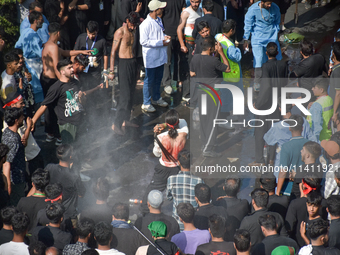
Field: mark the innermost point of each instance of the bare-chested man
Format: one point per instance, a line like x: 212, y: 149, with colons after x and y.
x: 127, y: 70
x: 51, y: 55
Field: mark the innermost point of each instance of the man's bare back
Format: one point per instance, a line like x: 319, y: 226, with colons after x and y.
x: 51, y: 54
x: 125, y: 47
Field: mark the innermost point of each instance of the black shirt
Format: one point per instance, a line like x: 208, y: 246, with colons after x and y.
x: 334, y: 83
x: 218, y: 10
x: 72, y: 187
x: 167, y: 247
x: 51, y: 236
x: 334, y: 234
x: 143, y: 222
x: 269, y: 243
x: 64, y: 97
x: 278, y: 204
x: 214, y: 23
x: 100, y: 45
x: 127, y: 240
x: 172, y: 16
x: 202, y: 214
x: 218, y: 248
x: 98, y: 213
x: 251, y: 224
x: 5, y: 236
x: 31, y: 205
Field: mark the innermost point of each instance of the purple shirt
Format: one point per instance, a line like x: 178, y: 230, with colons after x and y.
x: 188, y: 241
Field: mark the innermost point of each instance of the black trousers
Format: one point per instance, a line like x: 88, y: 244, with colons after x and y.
x: 51, y: 120
x: 127, y: 75
x: 173, y: 49
x: 238, y: 16
x: 158, y: 182
x: 184, y: 67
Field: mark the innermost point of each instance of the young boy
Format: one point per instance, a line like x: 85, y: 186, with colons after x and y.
x: 9, y: 84
x: 310, y: 152
x: 313, y: 204
x: 321, y: 110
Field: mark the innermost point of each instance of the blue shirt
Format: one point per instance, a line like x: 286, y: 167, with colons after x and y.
x: 317, y: 120
x: 30, y: 43
x: 42, y: 32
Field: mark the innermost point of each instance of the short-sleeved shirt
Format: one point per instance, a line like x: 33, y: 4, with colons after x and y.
x: 188, y: 241
x: 31, y: 205
x: 8, y: 86
x: 99, y: 44
x: 334, y: 82
x: 291, y: 153
x: 225, y: 248
x: 64, y: 97
x: 15, y: 156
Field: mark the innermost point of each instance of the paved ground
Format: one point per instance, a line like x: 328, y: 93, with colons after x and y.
x: 128, y: 161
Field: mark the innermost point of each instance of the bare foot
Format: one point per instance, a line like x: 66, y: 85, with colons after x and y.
x: 117, y: 130
x: 129, y: 124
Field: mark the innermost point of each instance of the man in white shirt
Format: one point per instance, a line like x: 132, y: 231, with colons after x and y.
x: 154, y: 43
x: 103, y: 235
x: 20, y: 222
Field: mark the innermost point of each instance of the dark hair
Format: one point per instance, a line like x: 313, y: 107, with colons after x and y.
x: 101, y: 189
x: 232, y: 186
x: 228, y: 25
x: 90, y: 252
x: 3, y: 150
x: 306, y: 47
x: 54, y: 212
x: 34, y: 4
x: 18, y: 51
x: 321, y: 82
x: 184, y: 158
x: 186, y: 212
x: 333, y: 205
x: 121, y: 211
x: 103, y: 233
x: 202, y: 24
x: 203, y: 193
x: 54, y: 27
x: 313, y: 181
x: 171, y: 118
x: 54, y: 190
x: 33, y: 16
x: 133, y: 18
x: 82, y: 60
x: 317, y: 229
x: 40, y: 179
x: 217, y: 226
x: 12, y: 114
x: 242, y: 240
x: 92, y: 26
x: 64, y: 152
x: 267, y: 221
x: 207, y: 43
x: 268, y: 181
x: 37, y: 248
x: 11, y: 57
x: 336, y: 49
x: 63, y: 63
x: 20, y: 222
x: 208, y: 5
x: 313, y: 148
x: 272, y: 50
x: 85, y: 227
x: 260, y: 197
x: 298, y: 121
x: 314, y: 198
x: 7, y: 214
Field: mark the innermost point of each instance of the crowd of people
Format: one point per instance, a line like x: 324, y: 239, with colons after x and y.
x: 59, y: 72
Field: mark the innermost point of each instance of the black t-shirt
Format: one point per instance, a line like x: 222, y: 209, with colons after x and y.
x: 127, y: 240
x: 167, y: 247
x: 98, y: 213
x: 143, y: 222
x: 334, y: 234
x: 5, y: 236
x: 172, y: 15
x: 31, y: 205
x: 269, y: 243
x: 198, y: 44
x: 51, y: 236
x: 202, y: 214
x: 315, y: 169
x: 334, y: 82
x: 72, y: 187
x: 100, y: 45
x: 219, y: 248
x: 64, y: 97
x: 278, y: 204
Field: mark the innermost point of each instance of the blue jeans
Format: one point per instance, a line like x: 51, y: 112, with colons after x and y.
x: 152, y: 84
